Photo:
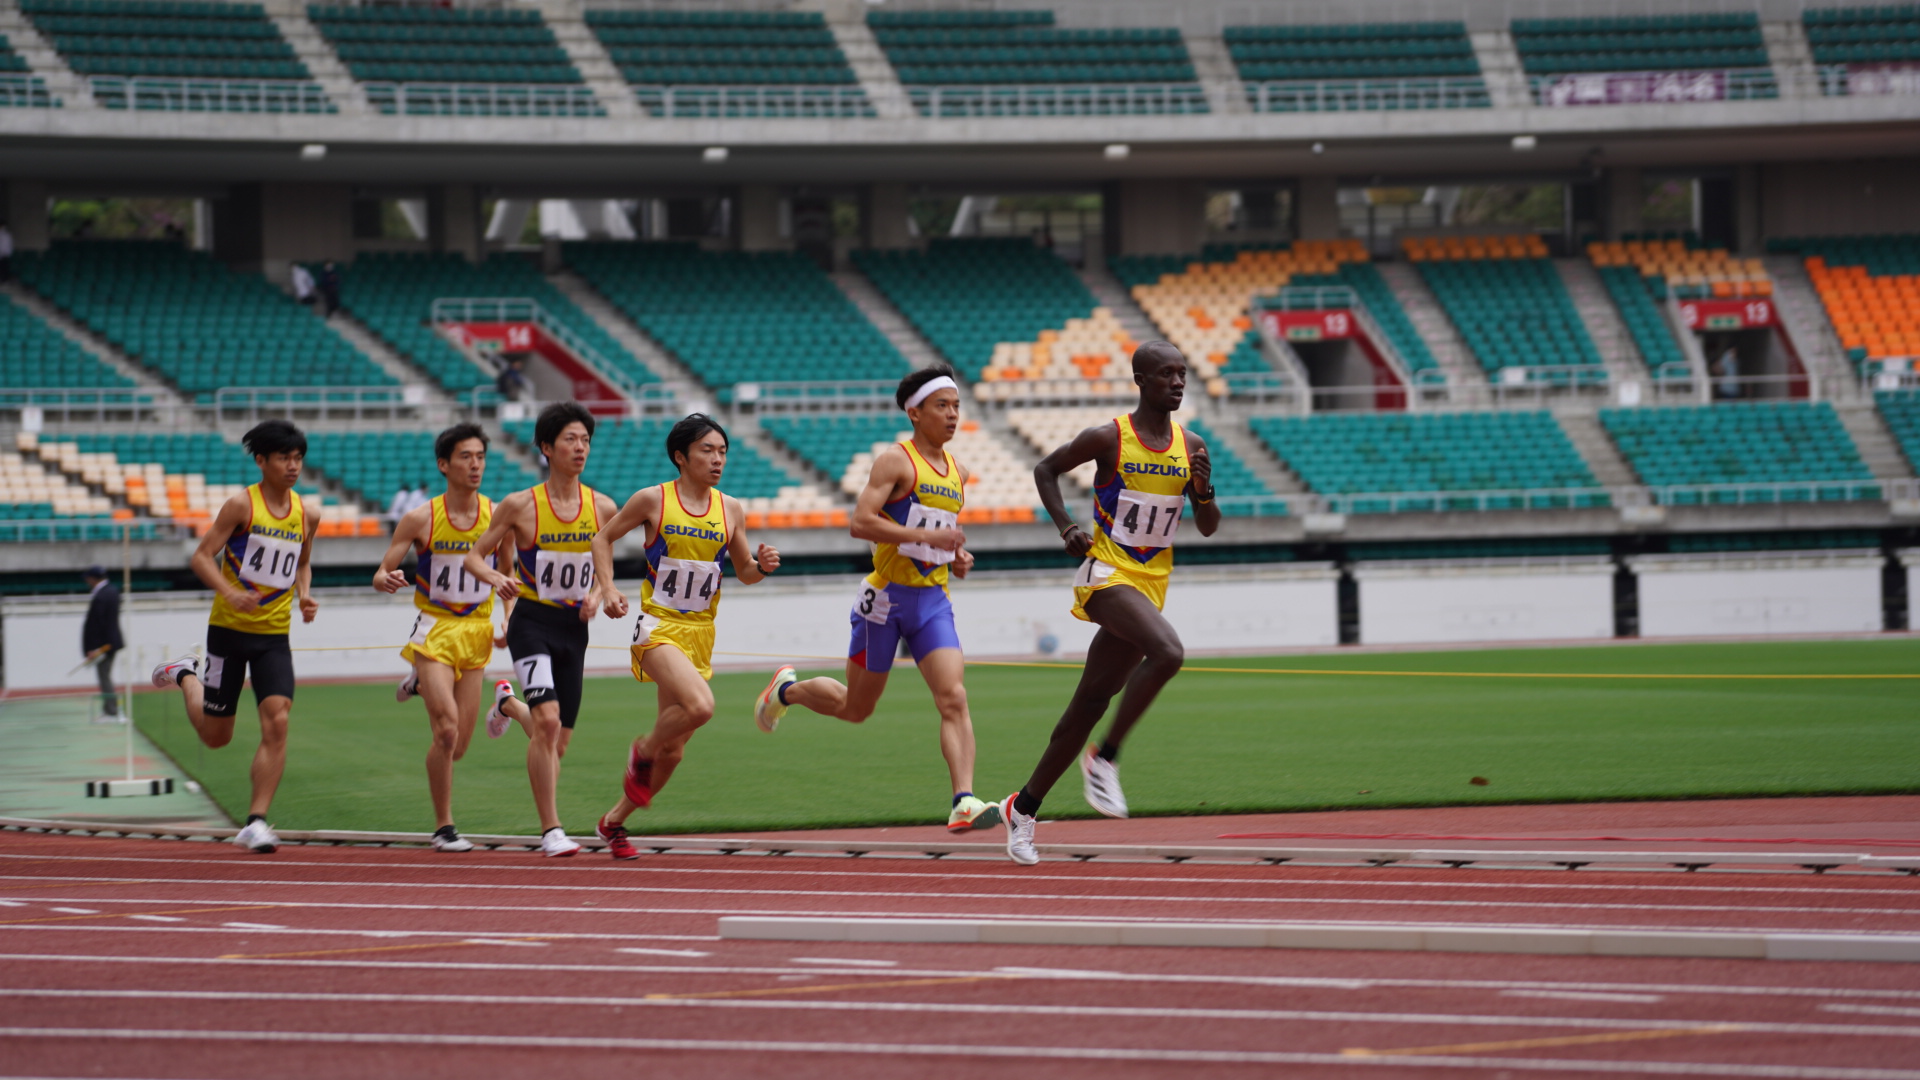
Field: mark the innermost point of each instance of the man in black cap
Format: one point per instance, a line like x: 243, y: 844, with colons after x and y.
x: 100, y: 639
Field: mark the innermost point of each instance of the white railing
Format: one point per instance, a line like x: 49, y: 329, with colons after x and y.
x: 1089, y: 99
x: 210, y: 95
x: 92, y: 405
x: 1771, y: 492
x: 1367, y: 95
x: 482, y: 401
x: 26, y: 92
x: 1433, y: 502
x: 1894, y: 80
x: 255, y: 403
x: 748, y: 102
x: 483, y: 99
x: 1655, y: 87
x: 827, y: 396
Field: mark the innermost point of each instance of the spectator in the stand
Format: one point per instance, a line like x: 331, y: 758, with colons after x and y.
x: 303, y: 287
x: 6, y: 252
x: 329, y: 289
x: 101, y: 640
x: 402, y: 502
x: 1726, y: 374
x: 512, y: 380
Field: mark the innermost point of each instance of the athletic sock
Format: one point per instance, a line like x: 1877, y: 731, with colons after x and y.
x: 447, y: 831
x: 782, y: 693
x: 251, y: 818
x: 1026, y: 804
x: 1108, y: 752
x: 962, y: 795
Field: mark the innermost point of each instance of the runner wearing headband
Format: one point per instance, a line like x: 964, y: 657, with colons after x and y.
x: 910, y: 512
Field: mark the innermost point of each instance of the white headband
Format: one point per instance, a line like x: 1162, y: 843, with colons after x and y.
x: 932, y: 387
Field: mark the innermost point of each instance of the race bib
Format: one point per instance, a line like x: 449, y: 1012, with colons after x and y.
x: 686, y: 584
x: 269, y: 561
x: 563, y: 575
x: 1141, y: 520
x: 872, y: 603
x: 451, y: 585
x: 422, y: 626
x: 1092, y: 574
x: 928, y: 517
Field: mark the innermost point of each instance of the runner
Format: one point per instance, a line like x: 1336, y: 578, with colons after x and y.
x: 257, y: 560
x: 551, y: 527
x: 910, y: 512
x: 692, y: 532
x: 1146, y: 468
x: 453, y: 636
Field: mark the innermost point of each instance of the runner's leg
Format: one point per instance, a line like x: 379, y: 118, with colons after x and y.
x: 443, y: 716
x: 1128, y: 613
x: 214, y: 731
x: 852, y: 701
x: 945, y: 671
x: 270, y: 760
x: 686, y: 703
x: 542, y: 723
x: 1110, y: 660
x: 467, y: 691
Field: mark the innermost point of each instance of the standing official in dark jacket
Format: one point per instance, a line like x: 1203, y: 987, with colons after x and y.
x: 100, y: 639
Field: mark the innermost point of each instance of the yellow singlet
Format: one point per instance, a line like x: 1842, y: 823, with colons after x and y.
x: 682, y: 588
x: 934, y: 502
x: 441, y: 585
x: 1135, y: 515
x: 262, y: 558
x: 558, y: 569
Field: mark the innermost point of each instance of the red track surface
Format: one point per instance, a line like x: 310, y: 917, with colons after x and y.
x: 167, y: 959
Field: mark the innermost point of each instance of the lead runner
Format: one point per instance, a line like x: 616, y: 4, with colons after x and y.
x: 1146, y: 469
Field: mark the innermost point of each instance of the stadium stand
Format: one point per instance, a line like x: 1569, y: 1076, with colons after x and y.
x: 1093, y: 354
x: 1359, y: 66
x: 19, y: 88
x: 1045, y: 429
x: 1233, y: 481
x: 844, y: 446
x: 1901, y: 409
x: 1376, y: 453
x: 33, y: 354
x: 373, y: 465
x: 133, y: 39
x: 1765, y: 443
x: 1870, y: 286
x: 1802, y: 540
x: 192, y: 320
x: 1507, y: 301
x: 1699, y: 42
x: 1551, y: 547
x: 739, y: 316
x: 1682, y: 267
x: 700, y: 63
x: 964, y: 53
x: 459, y: 47
x: 1863, y: 35
x: 30, y: 492
x: 393, y: 293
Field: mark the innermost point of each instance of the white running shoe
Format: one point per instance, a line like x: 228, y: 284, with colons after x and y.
x: 446, y: 839
x: 1019, y: 833
x: 409, y: 687
x: 167, y: 675
x: 554, y: 842
x: 109, y: 718
x: 258, y: 838
x: 497, y: 720
x: 1102, y: 784
x: 973, y: 813
x: 768, y: 710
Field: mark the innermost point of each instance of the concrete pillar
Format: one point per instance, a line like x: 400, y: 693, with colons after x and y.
x: 1156, y: 217
x: 759, y: 218
x: 25, y: 212
x: 1317, y: 208
x: 307, y: 223
x: 453, y: 216
x: 885, y: 220
x: 1624, y: 201
x: 1746, y: 210
x: 237, y: 233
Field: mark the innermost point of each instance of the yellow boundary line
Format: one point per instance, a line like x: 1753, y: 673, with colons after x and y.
x: 1528, y: 1044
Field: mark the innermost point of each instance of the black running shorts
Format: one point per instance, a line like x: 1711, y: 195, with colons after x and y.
x: 549, y: 647
x: 231, y: 654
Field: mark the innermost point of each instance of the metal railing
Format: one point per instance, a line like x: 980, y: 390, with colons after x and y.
x: 1439, y: 502
x: 92, y: 405
x: 87, y: 530
x: 750, y: 102
x: 210, y: 95
x: 841, y: 396
x: 255, y: 403
x: 1367, y: 95
x: 1309, y: 298
x: 485, y: 309
x: 1840, y: 80
x: 483, y: 99
x: 483, y: 401
x: 26, y: 92
x: 1769, y: 493
x: 1585, y: 88
x: 1090, y: 99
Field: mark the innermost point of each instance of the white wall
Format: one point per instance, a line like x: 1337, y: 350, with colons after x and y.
x: 1779, y: 593
x: 1910, y: 558
x: 1485, y: 600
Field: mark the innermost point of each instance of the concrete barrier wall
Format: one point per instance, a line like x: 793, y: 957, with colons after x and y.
x: 1910, y: 559
x: 1485, y: 600
x: 1778, y: 593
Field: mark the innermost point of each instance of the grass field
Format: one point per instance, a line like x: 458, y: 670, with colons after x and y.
x: 1214, y: 743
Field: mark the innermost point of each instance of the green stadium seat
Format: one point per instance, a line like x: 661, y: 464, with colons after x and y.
x: 180, y: 43
x: 1764, y: 443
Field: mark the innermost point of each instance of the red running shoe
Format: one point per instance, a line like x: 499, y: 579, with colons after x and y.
x: 639, y: 781
x: 616, y: 837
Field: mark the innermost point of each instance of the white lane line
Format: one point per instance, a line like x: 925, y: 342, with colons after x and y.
x: 252, y: 926
x: 1280, y: 981
x: 76, y: 910
x: 843, y: 963
x: 965, y: 1050
x: 1876, y: 1010
x: 12, y: 903
x: 691, y: 953
x: 999, y: 1008
x: 1586, y: 995
x: 158, y: 918
x: 296, y: 931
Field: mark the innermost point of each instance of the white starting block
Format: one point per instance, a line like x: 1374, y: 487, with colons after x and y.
x: 107, y: 789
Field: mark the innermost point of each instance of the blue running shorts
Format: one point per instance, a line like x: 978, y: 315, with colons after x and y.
x: 883, y: 614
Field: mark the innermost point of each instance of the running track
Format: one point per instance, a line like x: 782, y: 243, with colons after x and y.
x: 127, y: 958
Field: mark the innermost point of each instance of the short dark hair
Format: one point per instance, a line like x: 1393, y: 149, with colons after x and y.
x: 912, y: 383
x: 554, y: 420
x: 270, y: 437
x: 449, y: 440
x: 1147, y: 356
x: 688, y: 431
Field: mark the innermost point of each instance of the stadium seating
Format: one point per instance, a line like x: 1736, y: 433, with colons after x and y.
x: 1863, y: 35
x: 1507, y: 300
x: 739, y: 316
x: 1801, y: 540
x: 1092, y: 355
x: 1685, y: 269
x: 409, y: 43
x: 999, y: 487
x: 1232, y: 479
x: 1760, y: 443
x: 1356, y: 453
x: 968, y: 295
x: 212, y: 56
x: 1318, y: 52
x: 1046, y: 429
x: 192, y: 320
x: 19, y: 89
x: 721, y: 48
x: 374, y: 465
x: 1870, y: 286
x: 33, y: 354
x: 34, y: 487
x: 1633, y: 297
x: 1551, y: 547
x: 1901, y: 408
x: 1645, y: 43
x: 394, y: 294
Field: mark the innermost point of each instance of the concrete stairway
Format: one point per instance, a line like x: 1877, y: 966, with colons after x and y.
x: 70, y: 90
x: 1431, y: 322
x: 1232, y: 431
x: 99, y: 347
x: 362, y: 337
x: 322, y: 62
x: 870, y: 65
x: 887, y: 318
x: 1792, y: 57
x: 1805, y: 319
x: 1507, y: 86
x: 567, y: 20
x: 1113, y: 296
x: 1601, y: 319
x: 1596, y: 448
x: 1877, y: 446
x: 684, y: 383
x: 1217, y: 73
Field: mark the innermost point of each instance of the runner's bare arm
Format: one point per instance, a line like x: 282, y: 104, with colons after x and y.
x: 1099, y: 444
x: 500, y: 532
x: 504, y: 559
x: 749, y: 568
x: 893, y: 472
x: 303, y: 576
x: 233, y: 516
x: 641, y: 512
x: 1206, y: 512
x: 409, y: 532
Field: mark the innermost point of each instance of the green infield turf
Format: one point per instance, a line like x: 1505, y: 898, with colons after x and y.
x: 1214, y: 743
